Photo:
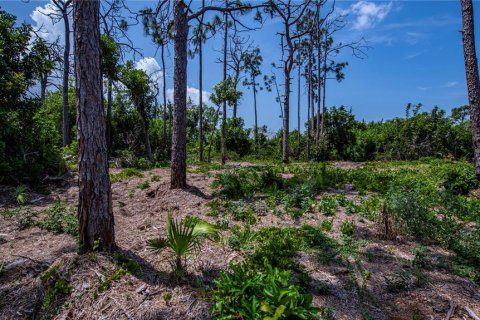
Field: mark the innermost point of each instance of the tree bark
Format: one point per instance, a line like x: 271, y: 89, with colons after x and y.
x: 298, y: 109
x: 164, y: 95
x: 179, y: 150
x: 286, y: 113
x: 473, y: 82
x: 96, y: 222
x: 200, y: 96
x: 66, y: 72
x: 146, y: 137
x: 223, y: 147
x: 255, y: 129
x: 319, y: 53
x: 109, y: 114
x: 43, y: 86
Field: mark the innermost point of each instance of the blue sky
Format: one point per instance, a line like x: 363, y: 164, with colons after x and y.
x: 416, y: 56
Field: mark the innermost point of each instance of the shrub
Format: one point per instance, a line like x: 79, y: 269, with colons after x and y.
x: 328, y: 205
x: 277, y: 246
x: 60, y: 219
x: 248, y: 292
x: 182, y: 239
x: 460, y: 181
x: 241, y: 238
x: 411, y: 212
x: 397, y: 281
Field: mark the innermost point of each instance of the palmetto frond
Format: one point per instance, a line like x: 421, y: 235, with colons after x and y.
x: 183, y: 238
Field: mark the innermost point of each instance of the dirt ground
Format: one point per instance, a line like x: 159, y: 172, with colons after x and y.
x: 141, y: 214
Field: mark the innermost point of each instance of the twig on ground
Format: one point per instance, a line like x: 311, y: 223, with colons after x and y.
x: 471, y: 313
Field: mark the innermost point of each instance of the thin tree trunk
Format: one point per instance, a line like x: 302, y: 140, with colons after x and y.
x: 66, y: 72
x: 298, y: 110
x: 255, y: 130
x: 164, y: 84
x: 324, y: 86
x: 96, y: 221
x: 319, y: 53
x: 312, y: 98
x: 473, y: 82
x: 146, y: 137
x: 109, y: 115
x: 179, y: 148
x: 43, y: 87
x: 200, y: 84
x: 309, y: 80
x: 286, y: 115
x: 223, y: 147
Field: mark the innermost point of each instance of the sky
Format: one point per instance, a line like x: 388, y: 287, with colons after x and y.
x: 415, y: 55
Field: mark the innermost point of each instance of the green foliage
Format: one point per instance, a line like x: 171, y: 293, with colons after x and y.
x: 127, y: 264
x: 460, y: 181
x: 421, y: 259
x: 412, y: 211
x: 397, y: 281
x: 328, y: 205
x: 144, y: 185
x: 266, y: 293
x: 26, y: 153
x: 183, y: 239
x: 125, y: 174
x: 55, y: 284
x: 20, y: 195
x: 326, y: 225
x: 241, y: 238
x: 278, y: 246
x: 347, y: 228
x: 26, y: 217
x: 59, y: 287
x: 60, y: 219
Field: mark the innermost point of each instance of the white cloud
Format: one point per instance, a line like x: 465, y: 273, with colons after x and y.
x: 413, y: 38
x: 368, y: 13
x: 48, y: 29
x: 151, y: 68
x: 449, y: 84
x: 192, y: 93
x: 415, y: 54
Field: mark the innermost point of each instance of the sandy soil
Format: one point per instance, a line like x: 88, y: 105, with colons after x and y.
x: 140, y: 215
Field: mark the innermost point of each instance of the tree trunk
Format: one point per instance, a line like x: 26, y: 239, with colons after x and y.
x: 165, y: 139
x: 286, y: 115
x: 319, y: 53
x: 179, y: 147
x: 312, y: 99
x: 223, y: 147
x: 43, y: 86
x: 298, y: 110
x: 146, y: 137
x: 109, y: 115
x: 200, y: 93
x: 473, y: 82
x: 66, y: 72
x: 324, y: 86
x: 96, y: 222
x: 255, y: 129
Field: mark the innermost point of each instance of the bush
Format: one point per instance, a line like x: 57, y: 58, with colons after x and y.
x: 411, y: 212
x: 248, y: 292
x: 460, y: 181
x: 60, y: 219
